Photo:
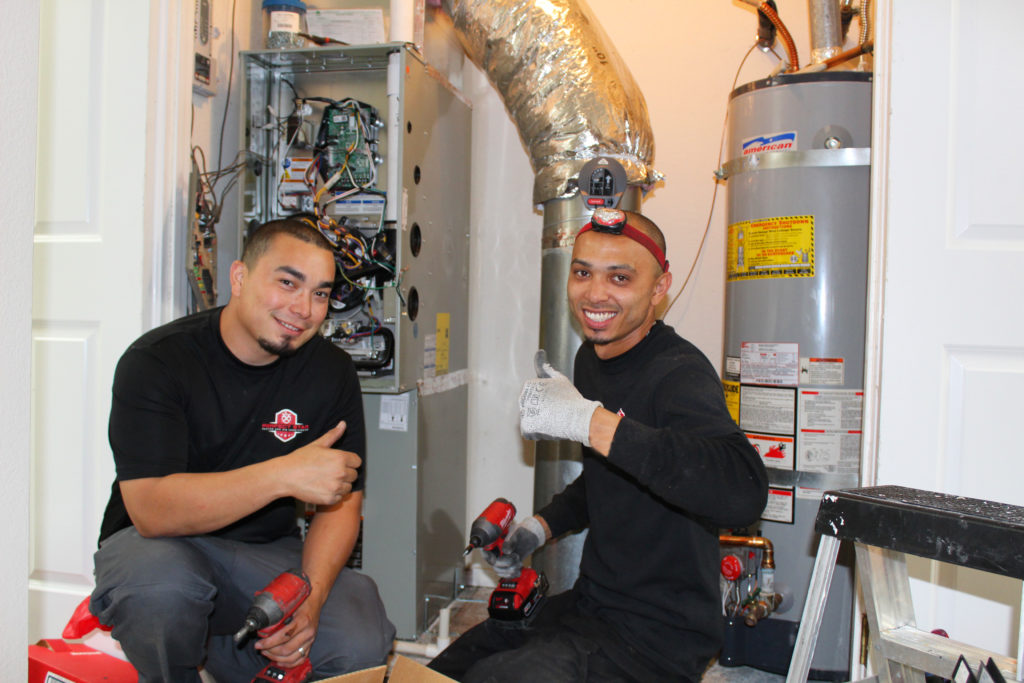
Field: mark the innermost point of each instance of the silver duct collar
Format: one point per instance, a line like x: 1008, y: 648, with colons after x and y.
x: 568, y: 91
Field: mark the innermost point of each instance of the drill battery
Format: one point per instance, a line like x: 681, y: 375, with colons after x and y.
x: 275, y: 674
x: 518, y: 598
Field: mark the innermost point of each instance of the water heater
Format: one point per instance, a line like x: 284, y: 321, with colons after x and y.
x: 796, y: 269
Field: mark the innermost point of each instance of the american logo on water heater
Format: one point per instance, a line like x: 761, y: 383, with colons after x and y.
x: 776, y: 142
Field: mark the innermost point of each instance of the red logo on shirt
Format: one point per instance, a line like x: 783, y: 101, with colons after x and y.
x: 285, y: 425
x: 621, y: 413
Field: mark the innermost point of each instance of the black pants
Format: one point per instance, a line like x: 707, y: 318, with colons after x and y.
x: 174, y: 603
x: 561, y: 645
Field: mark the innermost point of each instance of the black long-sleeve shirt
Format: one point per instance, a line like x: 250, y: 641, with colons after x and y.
x: 679, y: 469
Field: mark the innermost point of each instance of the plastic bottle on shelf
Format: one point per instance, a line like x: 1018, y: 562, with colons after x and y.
x: 283, y: 22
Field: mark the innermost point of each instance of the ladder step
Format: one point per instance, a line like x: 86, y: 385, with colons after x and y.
x: 935, y: 654
x: 963, y: 531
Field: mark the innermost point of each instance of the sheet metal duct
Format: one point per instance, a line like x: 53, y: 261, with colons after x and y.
x: 568, y: 91
x: 826, y: 29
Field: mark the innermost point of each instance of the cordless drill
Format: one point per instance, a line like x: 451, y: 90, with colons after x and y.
x: 515, y: 598
x: 271, y: 610
x: 490, y: 528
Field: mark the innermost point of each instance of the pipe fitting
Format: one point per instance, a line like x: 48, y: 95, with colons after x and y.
x: 768, y: 550
x: 760, y: 608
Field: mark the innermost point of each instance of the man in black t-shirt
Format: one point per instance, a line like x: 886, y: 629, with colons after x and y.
x: 664, y: 467
x: 219, y: 423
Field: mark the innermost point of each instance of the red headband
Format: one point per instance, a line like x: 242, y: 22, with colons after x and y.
x: 613, y: 222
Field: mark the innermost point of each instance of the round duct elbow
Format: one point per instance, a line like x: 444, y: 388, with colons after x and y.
x: 568, y: 91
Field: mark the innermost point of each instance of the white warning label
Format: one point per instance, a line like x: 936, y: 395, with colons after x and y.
x: 832, y: 409
x: 821, y: 371
x: 780, y: 505
x: 768, y: 409
x: 770, y: 363
x: 830, y: 431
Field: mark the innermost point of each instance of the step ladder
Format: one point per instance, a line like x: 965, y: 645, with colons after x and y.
x: 884, y: 523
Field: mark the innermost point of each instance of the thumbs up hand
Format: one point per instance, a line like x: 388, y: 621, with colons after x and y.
x: 321, y: 474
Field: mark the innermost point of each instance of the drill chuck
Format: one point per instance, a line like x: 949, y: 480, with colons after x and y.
x: 273, y: 606
x: 483, y: 534
x: 489, y: 529
x: 251, y: 626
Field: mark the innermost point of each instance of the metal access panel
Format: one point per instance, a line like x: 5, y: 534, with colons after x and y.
x: 415, y: 318
x: 414, y: 518
x: 304, y: 110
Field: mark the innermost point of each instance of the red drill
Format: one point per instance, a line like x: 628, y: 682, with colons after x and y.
x: 489, y: 529
x: 271, y: 610
x: 514, y: 598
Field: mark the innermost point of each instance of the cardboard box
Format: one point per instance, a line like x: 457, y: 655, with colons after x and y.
x: 404, y: 670
x: 58, y: 661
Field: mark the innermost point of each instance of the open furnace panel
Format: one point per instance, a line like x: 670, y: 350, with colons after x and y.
x: 371, y: 145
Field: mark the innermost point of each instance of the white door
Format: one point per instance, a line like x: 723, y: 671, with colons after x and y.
x: 952, y: 341
x: 89, y: 271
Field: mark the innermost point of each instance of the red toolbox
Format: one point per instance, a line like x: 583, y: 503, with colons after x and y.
x: 58, y: 661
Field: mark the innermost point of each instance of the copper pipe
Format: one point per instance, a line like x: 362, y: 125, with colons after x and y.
x: 863, y: 48
x: 768, y: 554
x: 840, y: 58
x: 787, y: 39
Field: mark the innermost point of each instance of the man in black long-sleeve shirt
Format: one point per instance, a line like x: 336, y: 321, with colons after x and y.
x: 664, y: 468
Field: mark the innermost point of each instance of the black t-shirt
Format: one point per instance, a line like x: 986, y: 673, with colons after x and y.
x: 678, y: 469
x: 182, y: 402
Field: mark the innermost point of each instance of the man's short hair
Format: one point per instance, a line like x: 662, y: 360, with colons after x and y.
x: 647, y: 227
x: 260, y: 238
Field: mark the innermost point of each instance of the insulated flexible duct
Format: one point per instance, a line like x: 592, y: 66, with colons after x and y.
x: 568, y: 91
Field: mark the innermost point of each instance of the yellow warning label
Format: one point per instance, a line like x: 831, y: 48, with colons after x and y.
x: 443, y: 344
x: 771, y: 248
x: 732, y: 399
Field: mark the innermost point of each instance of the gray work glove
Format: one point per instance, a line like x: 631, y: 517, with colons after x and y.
x: 550, y: 407
x: 523, y: 538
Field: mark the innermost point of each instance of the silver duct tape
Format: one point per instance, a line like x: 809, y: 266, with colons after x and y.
x: 568, y: 91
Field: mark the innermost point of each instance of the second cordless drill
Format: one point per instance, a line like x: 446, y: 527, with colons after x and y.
x: 270, y: 611
x: 516, y: 598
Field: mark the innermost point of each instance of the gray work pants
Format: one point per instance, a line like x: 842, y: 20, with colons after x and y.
x: 174, y: 604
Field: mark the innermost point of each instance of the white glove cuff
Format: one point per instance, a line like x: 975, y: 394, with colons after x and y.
x: 580, y: 424
x: 533, y: 525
